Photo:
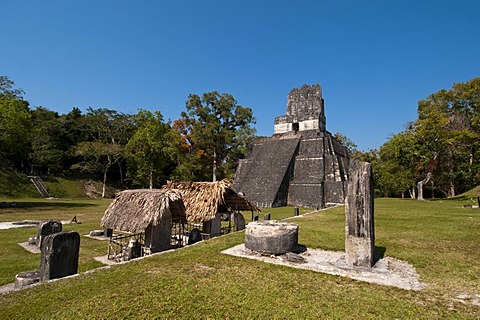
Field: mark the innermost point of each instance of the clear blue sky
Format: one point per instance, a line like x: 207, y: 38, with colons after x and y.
x: 374, y: 59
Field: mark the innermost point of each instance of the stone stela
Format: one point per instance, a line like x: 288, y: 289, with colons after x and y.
x: 302, y: 164
x: 59, y: 256
x: 359, y: 229
x: 58, y: 259
x: 46, y: 228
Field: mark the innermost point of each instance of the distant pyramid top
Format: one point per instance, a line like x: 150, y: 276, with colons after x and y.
x: 305, y: 111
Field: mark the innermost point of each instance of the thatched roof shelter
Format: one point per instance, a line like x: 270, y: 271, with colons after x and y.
x: 135, y: 210
x: 203, y: 200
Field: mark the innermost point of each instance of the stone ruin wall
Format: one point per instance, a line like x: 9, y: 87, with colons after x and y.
x: 305, y: 111
x: 318, y: 164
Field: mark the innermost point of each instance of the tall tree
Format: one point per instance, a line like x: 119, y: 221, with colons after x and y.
x: 109, y: 132
x: 441, y: 147
x: 448, y: 125
x: 396, y: 166
x: 150, y: 150
x: 213, y: 130
x: 47, y: 153
x: 14, y: 124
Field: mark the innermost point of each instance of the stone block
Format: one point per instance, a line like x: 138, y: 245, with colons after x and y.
x: 59, y: 255
x: 46, y: 228
x: 108, y: 232
x: 306, y: 195
x: 360, y: 236
x: 26, y: 278
x: 239, y: 222
x: 271, y: 237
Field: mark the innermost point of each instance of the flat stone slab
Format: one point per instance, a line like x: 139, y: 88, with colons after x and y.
x: 104, y: 259
x: 32, y: 248
x: 18, y: 224
x: 387, y: 271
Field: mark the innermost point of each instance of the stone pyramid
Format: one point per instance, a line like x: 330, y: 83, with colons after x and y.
x: 302, y: 164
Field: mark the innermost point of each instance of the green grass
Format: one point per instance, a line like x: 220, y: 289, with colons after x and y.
x: 64, y: 187
x: 440, y: 238
x: 16, y: 185
x: 276, y: 213
x: 472, y: 194
x: 14, y: 259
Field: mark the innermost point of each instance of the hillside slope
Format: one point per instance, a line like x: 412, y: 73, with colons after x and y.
x: 14, y: 184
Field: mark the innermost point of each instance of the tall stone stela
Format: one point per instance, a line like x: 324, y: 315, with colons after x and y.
x: 359, y: 222
x: 302, y: 164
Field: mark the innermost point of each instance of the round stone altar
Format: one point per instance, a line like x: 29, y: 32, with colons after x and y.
x: 271, y: 237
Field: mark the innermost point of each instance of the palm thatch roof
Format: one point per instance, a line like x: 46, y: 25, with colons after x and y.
x: 203, y: 200
x: 134, y: 210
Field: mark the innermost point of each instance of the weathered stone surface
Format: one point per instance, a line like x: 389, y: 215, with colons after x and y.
x: 239, y: 222
x: 294, y: 257
x: 264, y: 179
x: 158, y: 238
x: 194, y: 236
x: 271, y: 237
x: 360, y: 235
x: 132, y: 251
x: 305, y: 110
x: 96, y: 233
x: 302, y: 164
x: 26, y: 278
x: 59, y: 255
x: 46, y: 228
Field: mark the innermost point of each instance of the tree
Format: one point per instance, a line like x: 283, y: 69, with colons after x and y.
x: 449, y: 126
x: 212, y: 133
x: 441, y: 147
x: 47, y: 152
x: 98, y: 157
x: 109, y: 132
x: 14, y: 124
x: 149, y: 151
x: 347, y: 143
x: 8, y: 90
x: 396, y: 166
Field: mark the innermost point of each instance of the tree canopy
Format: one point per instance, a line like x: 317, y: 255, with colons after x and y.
x: 439, y: 151
x: 441, y: 147
x: 141, y: 150
x: 213, y: 131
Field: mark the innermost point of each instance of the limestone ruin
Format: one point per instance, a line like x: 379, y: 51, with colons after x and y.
x: 302, y: 164
x: 359, y: 221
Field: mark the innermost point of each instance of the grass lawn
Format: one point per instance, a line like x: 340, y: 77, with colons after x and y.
x: 440, y: 238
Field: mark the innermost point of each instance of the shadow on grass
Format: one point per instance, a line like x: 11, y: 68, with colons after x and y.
x: 379, y: 253
x: 26, y: 204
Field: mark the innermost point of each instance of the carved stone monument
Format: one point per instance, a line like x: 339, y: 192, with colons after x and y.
x: 359, y: 229
x: 59, y: 257
x: 271, y: 237
x: 46, y: 228
x: 302, y: 164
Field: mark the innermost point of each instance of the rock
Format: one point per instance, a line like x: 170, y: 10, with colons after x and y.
x: 26, y: 278
x: 97, y: 233
x: 296, y: 258
x: 32, y: 240
x: 59, y: 256
x: 271, y: 237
